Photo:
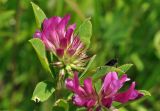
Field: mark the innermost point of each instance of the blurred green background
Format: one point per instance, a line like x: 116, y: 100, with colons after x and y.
x: 126, y: 29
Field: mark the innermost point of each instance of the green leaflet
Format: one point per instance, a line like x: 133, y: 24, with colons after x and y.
x: 85, y: 32
x: 103, y: 70
x: 87, y: 67
x: 145, y: 93
x: 61, y: 104
x: 43, y: 91
x: 39, y: 14
x: 98, y: 85
x: 40, y: 50
x: 125, y: 68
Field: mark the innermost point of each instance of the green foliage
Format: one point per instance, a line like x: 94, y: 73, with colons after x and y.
x: 62, y: 104
x: 124, y: 68
x: 137, y: 61
x: 43, y: 91
x: 88, y: 65
x: 127, y: 29
x: 98, y: 85
x: 57, y: 108
x: 81, y: 109
x: 85, y: 32
x: 145, y: 93
x: 103, y: 70
x: 41, y: 52
x: 39, y: 14
x: 5, y: 16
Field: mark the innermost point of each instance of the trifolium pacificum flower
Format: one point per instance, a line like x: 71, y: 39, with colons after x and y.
x: 87, y: 96
x: 59, y: 38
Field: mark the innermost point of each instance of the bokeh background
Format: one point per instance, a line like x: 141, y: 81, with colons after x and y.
x: 125, y: 29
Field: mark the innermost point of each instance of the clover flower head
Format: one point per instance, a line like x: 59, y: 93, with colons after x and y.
x: 87, y: 96
x: 59, y: 38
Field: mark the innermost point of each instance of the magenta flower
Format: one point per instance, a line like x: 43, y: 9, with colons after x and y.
x: 110, y: 88
x: 84, y: 95
x: 87, y: 96
x: 59, y: 38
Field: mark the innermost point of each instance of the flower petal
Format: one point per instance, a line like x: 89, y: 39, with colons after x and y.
x: 60, y: 52
x: 107, y: 102
x: 47, y: 43
x: 63, y: 43
x: 76, y: 81
x: 73, y: 26
x: 55, y: 21
x: 54, y: 38
x: 78, y: 100
x: 90, y: 103
x: 51, y: 23
x: 88, y: 86
x: 108, y: 78
x: 111, y: 84
x: 124, y: 78
x: 68, y: 35
x: 130, y: 94
x: 62, y: 25
x: 73, y: 84
x: 37, y: 34
x: 69, y: 84
x: 71, y: 52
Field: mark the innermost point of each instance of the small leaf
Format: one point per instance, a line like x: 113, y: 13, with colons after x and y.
x: 98, y: 85
x: 62, y: 103
x: 103, y: 70
x: 85, y: 32
x: 145, y: 93
x: 39, y: 14
x: 40, y: 50
x: 125, y: 68
x: 43, y: 91
x: 88, y: 65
